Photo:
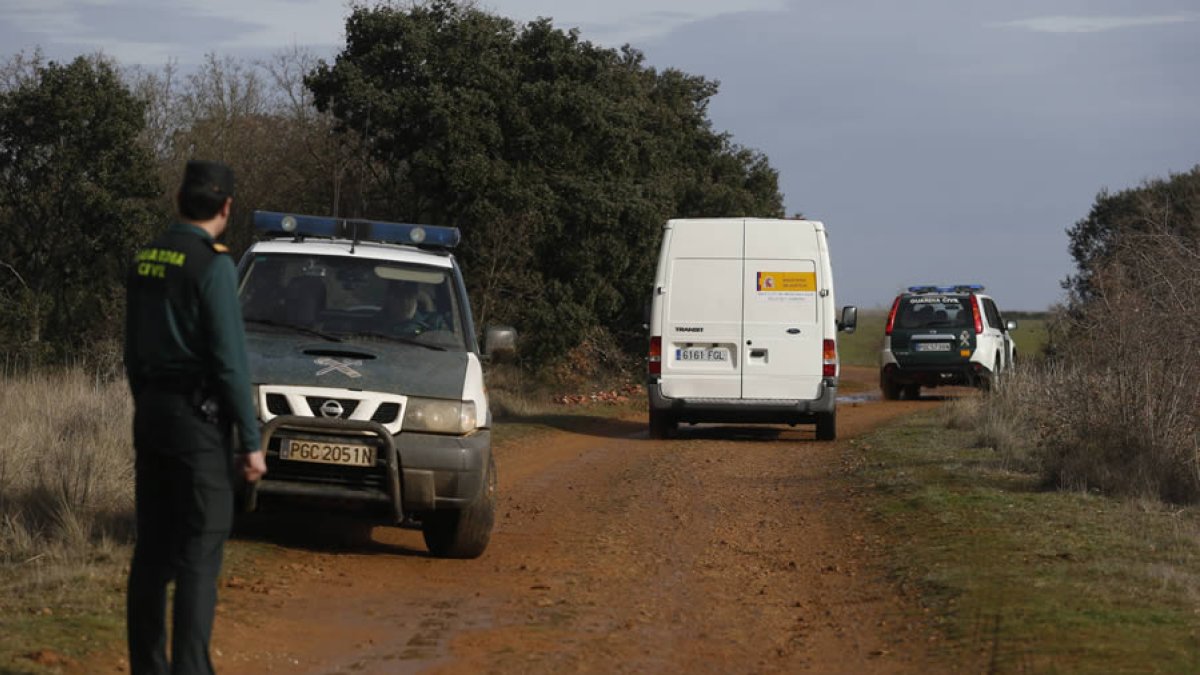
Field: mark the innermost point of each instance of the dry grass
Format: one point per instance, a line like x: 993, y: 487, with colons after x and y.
x: 66, y: 468
x: 66, y: 513
x: 1118, y: 409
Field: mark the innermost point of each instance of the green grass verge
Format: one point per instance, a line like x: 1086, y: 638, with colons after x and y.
x: 55, y: 615
x: 50, y: 622
x: 1021, y: 579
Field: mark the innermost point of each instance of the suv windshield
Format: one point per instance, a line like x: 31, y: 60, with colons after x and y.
x: 352, y: 298
x: 933, y: 312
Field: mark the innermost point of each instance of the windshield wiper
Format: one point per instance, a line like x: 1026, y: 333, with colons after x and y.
x: 298, y: 329
x: 401, y: 340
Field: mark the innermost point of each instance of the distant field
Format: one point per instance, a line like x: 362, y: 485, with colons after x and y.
x: 862, y: 347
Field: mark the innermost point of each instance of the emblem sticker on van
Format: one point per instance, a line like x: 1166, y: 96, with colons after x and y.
x: 787, y: 282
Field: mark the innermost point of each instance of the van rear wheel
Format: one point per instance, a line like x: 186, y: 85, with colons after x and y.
x: 827, y: 426
x: 662, y: 425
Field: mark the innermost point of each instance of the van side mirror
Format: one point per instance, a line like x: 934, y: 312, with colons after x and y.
x: 849, y: 320
x: 1010, y: 325
x: 500, y: 342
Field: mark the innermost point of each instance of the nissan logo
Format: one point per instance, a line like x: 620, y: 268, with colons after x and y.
x: 331, y: 408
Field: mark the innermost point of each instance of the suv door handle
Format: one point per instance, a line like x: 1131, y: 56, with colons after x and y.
x: 793, y: 331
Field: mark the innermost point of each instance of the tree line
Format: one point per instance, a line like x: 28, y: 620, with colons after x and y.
x: 559, y: 159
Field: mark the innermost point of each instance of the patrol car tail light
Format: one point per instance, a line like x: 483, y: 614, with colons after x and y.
x: 892, y: 317
x: 975, y: 315
x: 654, y: 362
x: 830, y: 362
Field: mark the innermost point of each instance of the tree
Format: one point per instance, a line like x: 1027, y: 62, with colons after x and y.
x: 75, y: 185
x: 560, y: 160
x: 1160, y: 206
x: 259, y: 119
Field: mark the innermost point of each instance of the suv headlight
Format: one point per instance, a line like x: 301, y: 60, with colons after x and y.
x: 438, y: 416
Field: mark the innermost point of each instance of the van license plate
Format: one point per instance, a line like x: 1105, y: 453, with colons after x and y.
x: 326, y: 453
x: 702, y: 354
x: 932, y: 346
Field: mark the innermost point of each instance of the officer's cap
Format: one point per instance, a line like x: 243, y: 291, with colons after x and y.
x: 208, y: 178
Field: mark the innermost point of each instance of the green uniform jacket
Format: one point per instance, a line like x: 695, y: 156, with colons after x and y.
x: 184, y: 324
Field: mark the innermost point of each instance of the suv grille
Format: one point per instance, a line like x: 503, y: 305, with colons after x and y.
x: 386, y: 413
x: 348, y: 405
x: 277, y: 405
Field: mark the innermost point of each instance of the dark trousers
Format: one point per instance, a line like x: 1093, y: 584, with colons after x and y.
x: 184, y: 502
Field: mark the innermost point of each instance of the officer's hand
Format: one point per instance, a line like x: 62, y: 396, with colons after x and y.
x: 252, y: 465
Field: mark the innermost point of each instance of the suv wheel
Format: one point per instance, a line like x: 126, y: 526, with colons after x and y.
x: 912, y: 392
x: 891, y: 389
x: 463, y: 533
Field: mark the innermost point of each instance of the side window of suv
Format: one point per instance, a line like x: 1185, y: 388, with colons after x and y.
x: 993, y: 314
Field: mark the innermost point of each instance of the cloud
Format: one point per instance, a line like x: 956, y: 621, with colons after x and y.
x: 1096, y: 24
x: 619, y: 21
x: 150, y: 32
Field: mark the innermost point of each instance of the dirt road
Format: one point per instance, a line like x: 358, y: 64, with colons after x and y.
x: 730, y: 549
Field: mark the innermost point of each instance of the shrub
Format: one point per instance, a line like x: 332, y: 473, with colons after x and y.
x: 1118, y: 409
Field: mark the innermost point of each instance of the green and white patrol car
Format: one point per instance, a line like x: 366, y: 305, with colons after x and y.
x: 368, y: 376
x: 944, y: 335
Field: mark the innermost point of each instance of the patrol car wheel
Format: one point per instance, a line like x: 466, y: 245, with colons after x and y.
x: 891, y: 389
x: 662, y: 425
x: 463, y: 533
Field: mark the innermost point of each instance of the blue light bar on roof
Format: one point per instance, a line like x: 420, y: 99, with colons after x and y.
x: 960, y: 288
x: 290, y: 224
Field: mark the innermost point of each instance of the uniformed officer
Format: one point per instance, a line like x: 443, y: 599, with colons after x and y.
x: 185, y: 357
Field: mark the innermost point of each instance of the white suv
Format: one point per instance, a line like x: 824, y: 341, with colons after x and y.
x: 944, y: 335
x: 368, y: 376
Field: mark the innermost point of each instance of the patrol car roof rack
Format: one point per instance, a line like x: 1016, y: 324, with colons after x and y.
x: 960, y: 288
x: 298, y: 226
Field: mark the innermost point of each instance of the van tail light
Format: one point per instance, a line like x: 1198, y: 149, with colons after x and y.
x: 892, y: 317
x: 654, y: 362
x: 830, y: 361
x: 975, y: 315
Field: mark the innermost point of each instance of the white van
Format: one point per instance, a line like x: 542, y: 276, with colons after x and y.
x: 743, y: 325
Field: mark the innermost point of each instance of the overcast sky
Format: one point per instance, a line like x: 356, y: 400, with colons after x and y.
x: 939, y: 143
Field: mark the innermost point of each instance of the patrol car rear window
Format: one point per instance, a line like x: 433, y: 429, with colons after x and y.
x: 933, y: 312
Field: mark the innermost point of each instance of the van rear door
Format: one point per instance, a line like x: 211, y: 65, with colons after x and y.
x: 702, y: 315
x: 782, y: 336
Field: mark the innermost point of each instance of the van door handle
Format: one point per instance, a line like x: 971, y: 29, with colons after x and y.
x: 793, y: 331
